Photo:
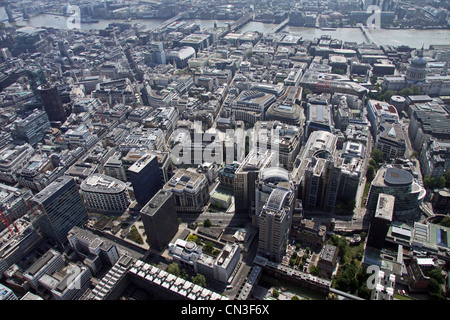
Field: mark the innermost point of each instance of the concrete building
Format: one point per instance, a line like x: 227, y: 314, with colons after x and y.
x: 95, y: 252
x: 245, y: 177
x: 113, y: 167
x: 32, y: 128
x: 251, y: 105
x: 12, y: 159
x: 104, y: 194
x: 190, y: 190
x: 180, y: 56
x: 391, y: 140
x: 49, y: 263
x: 274, y: 221
x: 328, y: 260
x: 284, y: 139
x: 159, y: 216
x: 71, y: 282
x: 435, y: 157
x: 13, y: 203
x: 379, y: 112
x: 6, y: 293
x: 318, y: 114
x: 191, y: 256
x: 15, y: 245
x: 384, y: 286
x: 380, y: 223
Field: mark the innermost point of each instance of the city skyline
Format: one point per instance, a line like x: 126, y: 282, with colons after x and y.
x: 234, y: 151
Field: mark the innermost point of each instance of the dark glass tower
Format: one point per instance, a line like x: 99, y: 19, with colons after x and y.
x: 51, y: 101
x: 159, y: 216
x: 145, y: 178
x: 61, y: 208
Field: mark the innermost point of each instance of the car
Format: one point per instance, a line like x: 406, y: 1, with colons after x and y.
x: 229, y: 287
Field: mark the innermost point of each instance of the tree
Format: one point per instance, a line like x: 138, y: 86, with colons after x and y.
x: 208, y: 247
x: 414, y: 155
x: 207, y: 223
x: 441, y: 182
x: 199, y: 280
x: 377, y: 155
x: 445, y: 222
x: 447, y: 178
x: 275, y: 293
x: 295, y: 298
x: 370, y: 173
x: 194, y: 238
x: 429, y: 182
x: 174, y: 269
x: 314, y: 270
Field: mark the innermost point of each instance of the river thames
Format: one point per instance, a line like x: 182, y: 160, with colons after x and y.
x: 409, y: 37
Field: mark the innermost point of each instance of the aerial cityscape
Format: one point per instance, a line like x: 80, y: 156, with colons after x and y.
x: 231, y: 150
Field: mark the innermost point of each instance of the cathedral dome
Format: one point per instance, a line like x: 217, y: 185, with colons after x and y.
x: 419, y: 61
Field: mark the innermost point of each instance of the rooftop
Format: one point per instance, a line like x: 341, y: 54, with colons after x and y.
x: 102, y: 184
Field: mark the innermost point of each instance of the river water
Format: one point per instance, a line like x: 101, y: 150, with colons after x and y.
x: 409, y: 37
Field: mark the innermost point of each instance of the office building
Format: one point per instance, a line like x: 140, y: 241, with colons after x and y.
x: 274, y: 223
x: 159, y: 217
x: 379, y: 112
x: 49, y: 263
x: 251, y: 105
x: 435, y: 157
x: 245, y: 177
x: 12, y: 159
x: 145, y: 178
x: 328, y: 260
x: 379, y: 226
x: 391, y: 140
x: 427, y: 119
x: 318, y: 117
x: 104, y: 194
x: 6, y: 293
x: 51, y: 101
x: 384, y: 285
x: 13, y: 203
x: 71, y: 282
x: 400, y: 184
x: 61, y: 208
x: 283, y: 138
x: 324, y: 177
x: 190, y: 190
x: 95, y: 252
x: 113, y: 167
x: 15, y: 245
x: 189, y: 255
x: 32, y: 128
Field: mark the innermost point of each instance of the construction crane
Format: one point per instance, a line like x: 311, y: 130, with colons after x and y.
x: 8, y: 225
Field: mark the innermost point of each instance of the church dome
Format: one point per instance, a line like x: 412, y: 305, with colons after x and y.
x: 419, y: 62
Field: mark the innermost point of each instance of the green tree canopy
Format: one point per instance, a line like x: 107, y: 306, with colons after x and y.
x: 174, y: 269
x: 377, y: 155
x: 199, y: 280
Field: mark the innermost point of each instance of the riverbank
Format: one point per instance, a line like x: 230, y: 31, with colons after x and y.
x: 414, y: 38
